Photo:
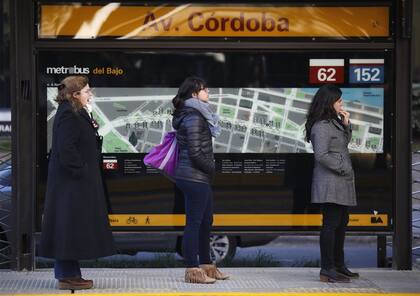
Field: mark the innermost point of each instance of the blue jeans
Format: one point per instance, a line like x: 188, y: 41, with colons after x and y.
x: 199, y: 220
x: 66, y: 269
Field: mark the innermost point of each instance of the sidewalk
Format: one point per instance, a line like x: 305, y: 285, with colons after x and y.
x: 244, y: 281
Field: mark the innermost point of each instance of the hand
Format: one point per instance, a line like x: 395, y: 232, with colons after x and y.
x: 345, y: 116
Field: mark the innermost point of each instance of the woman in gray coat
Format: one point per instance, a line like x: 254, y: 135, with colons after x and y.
x: 328, y: 129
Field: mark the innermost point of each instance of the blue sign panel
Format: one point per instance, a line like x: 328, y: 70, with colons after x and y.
x: 366, y: 71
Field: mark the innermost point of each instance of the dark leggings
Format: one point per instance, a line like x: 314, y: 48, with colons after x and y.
x: 333, y: 232
x: 199, y: 220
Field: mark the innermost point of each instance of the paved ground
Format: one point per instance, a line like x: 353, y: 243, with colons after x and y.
x: 245, y: 281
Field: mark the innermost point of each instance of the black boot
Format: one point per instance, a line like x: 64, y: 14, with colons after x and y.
x: 332, y: 276
x: 345, y: 271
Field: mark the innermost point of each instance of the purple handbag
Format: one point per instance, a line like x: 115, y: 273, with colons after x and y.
x: 164, y: 156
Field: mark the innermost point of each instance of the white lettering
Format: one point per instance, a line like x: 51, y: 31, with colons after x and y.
x: 68, y: 70
x: 6, y: 128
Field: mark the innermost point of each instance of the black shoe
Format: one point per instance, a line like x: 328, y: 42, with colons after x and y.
x: 332, y: 276
x: 345, y: 271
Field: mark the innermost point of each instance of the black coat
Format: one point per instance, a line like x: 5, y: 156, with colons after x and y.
x: 196, y: 159
x: 75, y: 221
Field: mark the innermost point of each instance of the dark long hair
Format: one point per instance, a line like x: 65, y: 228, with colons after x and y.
x: 190, y: 85
x: 322, y: 106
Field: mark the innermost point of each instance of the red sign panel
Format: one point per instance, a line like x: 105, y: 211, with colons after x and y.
x: 110, y: 164
x: 326, y: 71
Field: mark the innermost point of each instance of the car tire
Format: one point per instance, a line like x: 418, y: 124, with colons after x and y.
x: 222, y: 247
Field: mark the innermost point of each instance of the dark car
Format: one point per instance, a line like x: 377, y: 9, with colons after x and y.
x: 222, y: 246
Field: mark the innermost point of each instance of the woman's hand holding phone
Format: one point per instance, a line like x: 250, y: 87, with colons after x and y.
x: 345, y: 116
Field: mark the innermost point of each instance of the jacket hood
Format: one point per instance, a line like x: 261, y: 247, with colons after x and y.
x: 179, y: 115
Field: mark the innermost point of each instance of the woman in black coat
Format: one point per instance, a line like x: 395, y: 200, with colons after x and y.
x: 75, y: 221
x: 195, y: 124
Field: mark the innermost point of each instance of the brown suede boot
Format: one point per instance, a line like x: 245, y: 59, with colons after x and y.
x: 75, y: 284
x: 196, y: 275
x: 212, y: 271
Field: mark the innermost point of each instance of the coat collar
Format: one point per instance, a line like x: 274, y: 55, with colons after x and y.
x: 337, y: 124
x: 84, y: 114
x: 92, y: 122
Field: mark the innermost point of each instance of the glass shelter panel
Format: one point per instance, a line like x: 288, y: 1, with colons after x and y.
x: 264, y: 166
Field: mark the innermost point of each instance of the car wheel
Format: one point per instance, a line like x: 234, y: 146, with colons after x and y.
x: 222, y: 247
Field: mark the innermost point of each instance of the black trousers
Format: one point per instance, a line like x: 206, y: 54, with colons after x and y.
x: 334, y: 221
x: 199, y: 221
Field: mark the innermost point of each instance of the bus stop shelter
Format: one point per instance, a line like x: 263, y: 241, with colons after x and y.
x: 41, y: 56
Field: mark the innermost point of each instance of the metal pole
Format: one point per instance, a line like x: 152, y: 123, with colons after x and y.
x: 381, y: 251
x: 23, y: 133
x: 402, y: 139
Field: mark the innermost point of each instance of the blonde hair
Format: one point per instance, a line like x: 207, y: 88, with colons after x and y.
x: 68, y: 87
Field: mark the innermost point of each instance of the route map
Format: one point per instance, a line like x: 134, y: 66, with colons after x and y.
x: 253, y: 120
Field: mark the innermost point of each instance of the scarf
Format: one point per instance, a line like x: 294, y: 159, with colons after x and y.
x: 205, y: 110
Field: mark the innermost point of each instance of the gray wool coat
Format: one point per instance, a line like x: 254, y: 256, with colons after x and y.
x: 333, y: 178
